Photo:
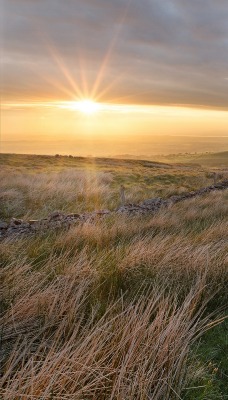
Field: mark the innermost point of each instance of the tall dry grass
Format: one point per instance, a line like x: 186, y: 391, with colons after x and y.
x: 111, y: 310
x: 139, y: 351
x: 87, y: 185
x: 27, y: 195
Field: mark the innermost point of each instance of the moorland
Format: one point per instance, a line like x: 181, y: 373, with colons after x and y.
x: 126, y: 307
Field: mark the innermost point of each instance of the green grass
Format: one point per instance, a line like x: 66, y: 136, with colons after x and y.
x: 211, y: 355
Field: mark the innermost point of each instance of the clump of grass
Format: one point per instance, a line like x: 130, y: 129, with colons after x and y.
x: 135, y: 349
x: 36, y: 195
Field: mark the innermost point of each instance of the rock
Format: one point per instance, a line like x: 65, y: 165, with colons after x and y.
x: 33, y: 221
x: 174, y: 199
x: 3, y: 225
x: 56, y: 215
x: 73, y: 215
x: 56, y: 224
x: 153, y: 201
x: 102, y: 212
x: 12, y: 230
x: 15, y: 221
x: 121, y: 209
x: 24, y: 230
x: 25, y: 225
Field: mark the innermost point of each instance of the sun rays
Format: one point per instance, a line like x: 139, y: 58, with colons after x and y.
x: 85, y: 90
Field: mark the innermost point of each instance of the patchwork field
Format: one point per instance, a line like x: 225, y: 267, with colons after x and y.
x: 121, y: 308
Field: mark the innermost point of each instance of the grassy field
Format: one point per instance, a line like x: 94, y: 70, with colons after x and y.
x: 33, y: 186
x: 211, y: 160
x: 123, y: 308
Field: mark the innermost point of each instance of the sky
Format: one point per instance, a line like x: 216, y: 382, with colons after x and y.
x: 154, y: 67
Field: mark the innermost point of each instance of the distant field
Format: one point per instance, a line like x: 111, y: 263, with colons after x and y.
x: 214, y: 160
x: 33, y: 185
x: 124, y: 308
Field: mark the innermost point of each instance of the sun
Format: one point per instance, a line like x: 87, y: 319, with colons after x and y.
x: 87, y: 106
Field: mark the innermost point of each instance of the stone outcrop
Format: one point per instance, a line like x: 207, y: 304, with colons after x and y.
x: 58, y: 219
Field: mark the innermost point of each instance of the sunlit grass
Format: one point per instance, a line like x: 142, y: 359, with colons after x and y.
x: 33, y: 186
x: 114, y: 309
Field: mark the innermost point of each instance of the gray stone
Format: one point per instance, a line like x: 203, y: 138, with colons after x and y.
x: 3, y: 225
x: 102, y: 212
x: 15, y: 221
x: 25, y: 225
x: 56, y: 215
x: 73, y: 215
x: 155, y: 201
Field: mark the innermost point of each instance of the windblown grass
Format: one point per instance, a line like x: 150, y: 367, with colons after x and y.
x: 33, y: 186
x: 114, y: 309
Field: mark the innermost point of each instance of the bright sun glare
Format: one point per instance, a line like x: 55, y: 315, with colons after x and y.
x: 87, y: 106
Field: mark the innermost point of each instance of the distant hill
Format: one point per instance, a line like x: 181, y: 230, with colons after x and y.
x: 219, y: 160
x: 207, y: 160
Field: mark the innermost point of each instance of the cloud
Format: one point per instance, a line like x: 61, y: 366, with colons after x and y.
x: 149, y: 52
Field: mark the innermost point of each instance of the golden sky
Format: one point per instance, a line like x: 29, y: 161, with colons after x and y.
x: 113, y: 68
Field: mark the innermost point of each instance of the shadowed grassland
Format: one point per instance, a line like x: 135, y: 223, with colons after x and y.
x: 119, y: 309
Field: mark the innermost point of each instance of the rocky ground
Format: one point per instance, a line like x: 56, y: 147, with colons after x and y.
x: 58, y: 219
